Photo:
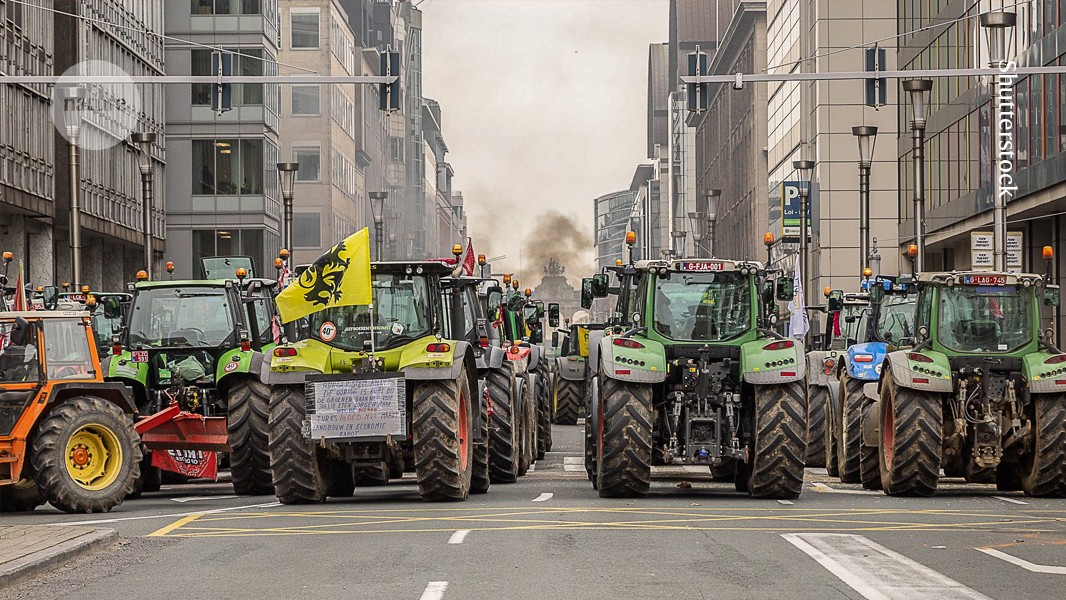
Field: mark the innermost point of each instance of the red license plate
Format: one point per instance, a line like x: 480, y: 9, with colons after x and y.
x: 140, y: 356
x: 986, y: 280
x: 702, y: 266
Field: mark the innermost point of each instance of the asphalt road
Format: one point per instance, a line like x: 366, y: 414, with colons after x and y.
x: 551, y: 536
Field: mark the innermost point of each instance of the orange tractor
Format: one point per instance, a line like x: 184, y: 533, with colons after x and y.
x: 66, y: 436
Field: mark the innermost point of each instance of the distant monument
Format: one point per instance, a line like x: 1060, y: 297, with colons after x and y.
x: 554, y: 288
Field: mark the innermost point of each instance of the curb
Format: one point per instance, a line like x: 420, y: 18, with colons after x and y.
x: 54, y: 557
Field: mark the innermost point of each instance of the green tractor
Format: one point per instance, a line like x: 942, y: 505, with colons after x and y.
x: 387, y: 387
x: 571, y: 368
x: 194, y: 353
x: 691, y: 373
x: 982, y: 394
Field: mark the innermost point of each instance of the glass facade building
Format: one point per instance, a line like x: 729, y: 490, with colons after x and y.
x: 614, y: 217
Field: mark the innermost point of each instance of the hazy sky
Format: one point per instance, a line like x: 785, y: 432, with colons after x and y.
x: 544, y: 108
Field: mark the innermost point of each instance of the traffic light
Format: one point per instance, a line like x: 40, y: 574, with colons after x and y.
x: 221, y: 94
x: 698, y: 94
x: 389, y: 93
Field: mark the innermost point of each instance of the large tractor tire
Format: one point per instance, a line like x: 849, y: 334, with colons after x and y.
x: 849, y: 463
x: 832, y: 442
x: 591, y: 436
x: 528, y: 430
x: 568, y: 396
x: 504, y: 436
x: 299, y: 477
x: 247, y: 414
x: 1043, y: 469
x: 21, y: 496
x: 443, y: 438
x: 86, y: 455
x: 869, y: 465
x: 779, y: 442
x: 625, y: 438
x: 911, y: 424
x: 817, y: 403
x: 481, y: 478
x: 544, y: 412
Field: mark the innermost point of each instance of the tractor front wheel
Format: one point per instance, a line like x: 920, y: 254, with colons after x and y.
x: 849, y: 462
x: 298, y: 476
x: 504, y: 440
x: 86, y: 455
x: 779, y: 445
x: 480, y: 479
x: 625, y: 438
x: 869, y: 467
x: 817, y: 403
x: 544, y: 413
x: 21, y: 496
x: 567, y: 401
x: 1043, y: 469
x: 528, y: 430
x: 911, y: 440
x: 443, y: 428
x: 247, y: 414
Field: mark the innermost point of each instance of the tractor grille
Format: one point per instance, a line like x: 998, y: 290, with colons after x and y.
x: 716, y: 352
x: 987, y: 363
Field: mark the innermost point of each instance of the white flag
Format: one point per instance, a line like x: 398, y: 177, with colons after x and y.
x: 798, y: 324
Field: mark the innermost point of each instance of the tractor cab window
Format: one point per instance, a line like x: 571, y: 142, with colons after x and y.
x: 984, y: 318
x: 402, y: 310
x: 895, y: 319
x: 181, y: 317
x: 18, y: 364
x: 67, y: 352
x: 702, y: 306
x: 268, y: 333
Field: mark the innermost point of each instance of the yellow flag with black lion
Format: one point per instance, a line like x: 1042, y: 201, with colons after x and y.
x: 340, y: 277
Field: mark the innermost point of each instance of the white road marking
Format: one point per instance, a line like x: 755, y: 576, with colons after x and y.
x: 581, y: 420
x: 198, y: 498
x: 435, y: 590
x: 786, y: 502
x: 544, y: 497
x: 1011, y: 500
x: 167, y: 515
x: 1028, y: 566
x: 532, y: 467
x: 821, y: 487
x: 876, y: 572
x: 574, y: 463
x: 458, y: 536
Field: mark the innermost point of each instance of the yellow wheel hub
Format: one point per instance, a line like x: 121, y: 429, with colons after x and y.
x: 94, y: 456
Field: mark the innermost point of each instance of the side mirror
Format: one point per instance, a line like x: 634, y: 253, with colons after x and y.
x: 540, y: 308
x: 877, y: 294
x: 836, y: 301
x: 495, y: 299
x: 586, y: 293
x: 555, y: 339
x: 50, y: 297
x: 21, y: 332
x: 600, y: 285
x: 785, y: 290
x: 553, y: 314
x: 112, y: 307
x: 1051, y: 295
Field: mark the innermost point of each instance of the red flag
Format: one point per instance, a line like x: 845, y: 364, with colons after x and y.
x: 19, y: 302
x: 468, y: 259
x: 836, y: 323
x: 997, y: 312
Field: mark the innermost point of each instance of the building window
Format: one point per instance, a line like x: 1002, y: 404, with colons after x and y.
x: 246, y: 61
x: 228, y: 242
x: 305, y: 100
x: 309, y: 158
x: 227, y: 167
x: 303, y: 25
x: 307, y: 230
x: 227, y: 7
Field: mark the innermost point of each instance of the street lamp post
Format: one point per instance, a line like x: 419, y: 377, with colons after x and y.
x: 697, y: 223
x: 918, y: 90
x: 867, y: 137
x: 287, y: 174
x: 73, y: 98
x: 679, y: 242
x: 144, y: 140
x: 711, y: 213
x: 377, y: 207
x: 804, y: 168
x: 996, y: 25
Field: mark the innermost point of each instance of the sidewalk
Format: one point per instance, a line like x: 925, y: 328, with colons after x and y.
x: 29, y: 550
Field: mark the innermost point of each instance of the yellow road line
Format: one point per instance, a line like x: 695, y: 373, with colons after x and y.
x: 175, y: 525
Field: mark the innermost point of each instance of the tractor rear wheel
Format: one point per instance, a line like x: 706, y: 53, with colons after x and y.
x: 869, y: 467
x: 832, y: 439
x: 504, y: 437
x: 544, y: 412
x: 481, y: 478
x: 21, y: 496
x: 625, y: 438
x: 911, y: 440
x: 1043, y: 470
x: 86, y: 455
x: 299, y: 478
x: 248, y: 411
x: 779, y: 444
x: 567, y: 401
x: 443, y: 437
x: 817, y: 402
x: 849, y: 463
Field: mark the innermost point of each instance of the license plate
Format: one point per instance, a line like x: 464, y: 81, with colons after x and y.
x: 140, y: 356
x: 702, y: 266
x: 986, y: 280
